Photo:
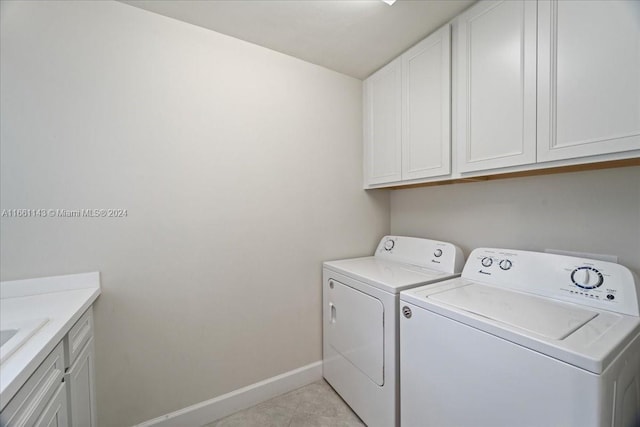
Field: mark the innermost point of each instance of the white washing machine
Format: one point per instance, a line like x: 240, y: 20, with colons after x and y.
x: 360, y: 319
x: 523, y: 339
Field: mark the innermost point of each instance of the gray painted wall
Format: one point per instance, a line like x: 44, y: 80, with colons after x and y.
x: 239, y: 169
x: 594, y: 211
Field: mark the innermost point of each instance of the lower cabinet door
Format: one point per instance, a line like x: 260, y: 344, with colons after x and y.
x: 34, y: 397
x: 82, y: 406
x: 55, y: 414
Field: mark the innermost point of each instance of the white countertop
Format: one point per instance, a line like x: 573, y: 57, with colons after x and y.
x: 61, y: 300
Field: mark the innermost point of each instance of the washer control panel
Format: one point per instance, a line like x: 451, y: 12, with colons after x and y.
x: 503, y: 263
x: 589, y: 282
x: 432, y: 254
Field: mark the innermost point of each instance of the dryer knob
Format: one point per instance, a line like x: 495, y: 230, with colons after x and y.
x: 486, y: 262
x: 389, y: 244
x: 437, y: 253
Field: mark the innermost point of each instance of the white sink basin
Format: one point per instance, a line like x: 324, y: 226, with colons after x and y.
x: 14, y: 334
x: 6, y: 334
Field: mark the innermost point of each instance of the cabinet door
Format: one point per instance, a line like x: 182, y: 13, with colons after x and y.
x: 426, y: 114
x: 382, y: 132
x: 55, y: 414
x: 82, y: 399
x: 588, y: 78
x: 496, y: 78
x: 31, y: 401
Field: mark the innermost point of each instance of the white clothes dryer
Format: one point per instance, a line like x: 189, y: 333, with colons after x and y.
x: 360, y: 319
x: 523, y: 339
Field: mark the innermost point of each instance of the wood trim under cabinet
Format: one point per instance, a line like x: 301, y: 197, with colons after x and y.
x: 536, y: 172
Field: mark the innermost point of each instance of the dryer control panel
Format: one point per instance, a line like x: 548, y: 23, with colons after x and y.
x: 432, y: 254
x: 594, y: 283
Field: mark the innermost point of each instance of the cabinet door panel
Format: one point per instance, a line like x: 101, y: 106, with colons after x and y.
x: 55, y: 414
x: 426, y: 114
x: 497, y: 85
x: 82, y: 389
x: 382, y: 133
x: 33, y: 397
x: 588, y: 78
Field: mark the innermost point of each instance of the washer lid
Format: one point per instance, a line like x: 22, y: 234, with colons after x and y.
x: 586, y: 337
x: 535, y: 314
x: 386, y: 275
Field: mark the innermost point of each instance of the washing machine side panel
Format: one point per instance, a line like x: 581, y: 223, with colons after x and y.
x: 621, y: 388
x: 454, y: 375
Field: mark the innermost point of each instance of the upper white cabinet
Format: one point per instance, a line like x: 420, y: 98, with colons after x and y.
x: 537, y: 85
x: 588, y: 78
x: 382, y: 125
x: 408, y: 114
x: 496, y: 85
x: 426, y: 107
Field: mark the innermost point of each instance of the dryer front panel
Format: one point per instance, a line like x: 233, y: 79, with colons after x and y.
x: 355, y: 328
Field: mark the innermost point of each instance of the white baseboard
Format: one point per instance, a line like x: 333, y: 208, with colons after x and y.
x: 219, y: 407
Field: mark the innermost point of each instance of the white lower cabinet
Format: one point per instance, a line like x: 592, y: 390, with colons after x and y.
x: 80, y: 372
x: 55, y: 414
x: 36, y: 399
x: 82, y: 390
x: 61, y: 391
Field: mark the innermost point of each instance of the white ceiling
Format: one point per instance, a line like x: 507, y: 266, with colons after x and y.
x: 354, y: 37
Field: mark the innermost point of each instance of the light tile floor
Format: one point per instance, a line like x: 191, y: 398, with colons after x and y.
x: 315, y: 405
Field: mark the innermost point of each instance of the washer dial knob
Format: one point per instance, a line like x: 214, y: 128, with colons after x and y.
x: 486, y: 262
x: 505, y: 264
x: 437, y: 253
x: 389, y: 244
x: 586, y: 277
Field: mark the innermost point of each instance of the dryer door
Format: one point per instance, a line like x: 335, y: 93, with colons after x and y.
x: 356, y: 329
